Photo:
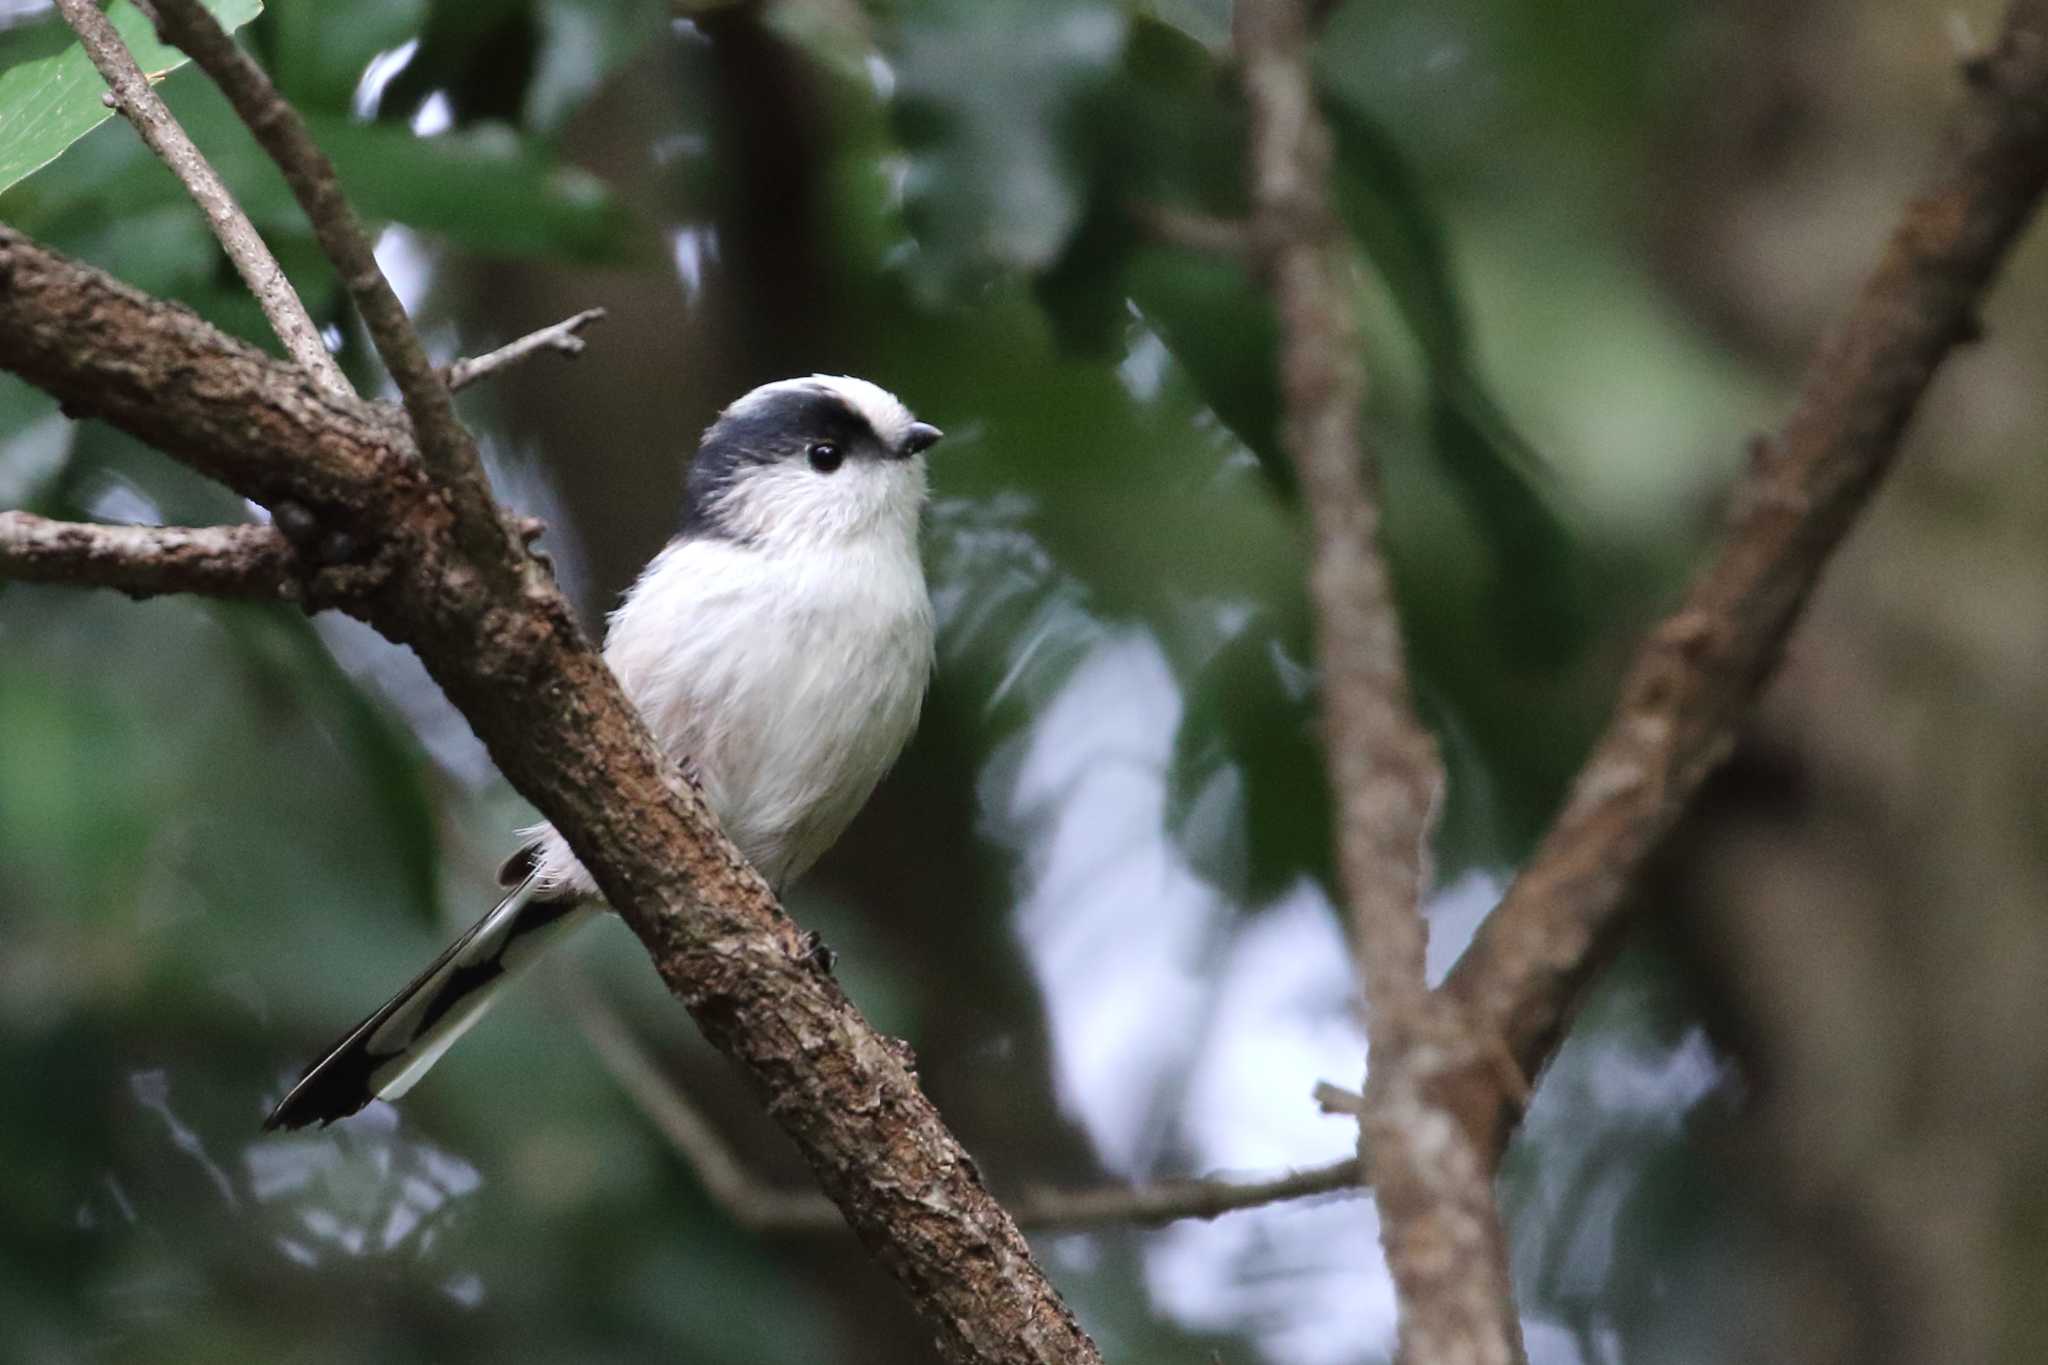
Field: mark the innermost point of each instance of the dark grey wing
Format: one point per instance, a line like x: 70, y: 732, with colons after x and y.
x: 523, y: 863
x: 388, y: 1052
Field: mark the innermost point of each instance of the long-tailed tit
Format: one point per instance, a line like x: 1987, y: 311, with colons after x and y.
x: 778, y: 647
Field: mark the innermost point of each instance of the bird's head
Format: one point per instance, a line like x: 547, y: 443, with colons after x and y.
x: 804, y: 462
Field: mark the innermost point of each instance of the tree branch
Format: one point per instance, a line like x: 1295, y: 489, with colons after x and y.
x: 745, y: 1200
x: 132, y: 94
x: 1438, y: 1221
x: 254, y: 563
x: 1383, y: 765
x: 445, y: 444
x: 560, y: 337
x: 1692, y: 681
x: 485, y: 617
x: 1193, y: 231
x: 1159, y: 1202
x: 518, y: 666
x: 763, y: 1208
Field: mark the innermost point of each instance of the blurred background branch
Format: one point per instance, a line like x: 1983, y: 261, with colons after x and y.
x: 1701, y: 669
x: 1434, y: 1193
x: 763, y: 1208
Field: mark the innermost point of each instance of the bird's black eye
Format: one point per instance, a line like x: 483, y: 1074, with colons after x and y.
x: 825, y: 456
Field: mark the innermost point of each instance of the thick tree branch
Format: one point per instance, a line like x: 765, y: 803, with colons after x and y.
x: 560, y: 337
x: 446, y: 445
x: 1690, y: 685
x: 1438, y: 1220
x: 137, y: 101
x: 518, y: 666
x: 763, y: 1208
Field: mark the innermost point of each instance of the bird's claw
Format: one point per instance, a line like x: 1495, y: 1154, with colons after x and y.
x: 819, y: 953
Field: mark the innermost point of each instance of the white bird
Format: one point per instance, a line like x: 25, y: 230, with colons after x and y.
x: 779, y: 649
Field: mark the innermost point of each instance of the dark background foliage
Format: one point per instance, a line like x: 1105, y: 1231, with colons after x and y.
x: 1597, y: 242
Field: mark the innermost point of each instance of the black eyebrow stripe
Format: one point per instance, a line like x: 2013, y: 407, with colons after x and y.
x: 760, y: 434
x: 811, y: 410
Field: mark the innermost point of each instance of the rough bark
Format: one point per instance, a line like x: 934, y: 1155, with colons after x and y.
x: 519, y: 667
x: 148, y: 561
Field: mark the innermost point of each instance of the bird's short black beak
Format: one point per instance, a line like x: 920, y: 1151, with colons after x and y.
x: 921, y: 437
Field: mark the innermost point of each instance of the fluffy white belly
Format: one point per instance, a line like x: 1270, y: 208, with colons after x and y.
x: 788, y: 683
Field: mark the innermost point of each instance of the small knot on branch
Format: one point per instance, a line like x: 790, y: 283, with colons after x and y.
x: 1335, y: 1099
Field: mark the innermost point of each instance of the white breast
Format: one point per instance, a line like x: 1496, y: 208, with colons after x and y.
x: 789, y: 679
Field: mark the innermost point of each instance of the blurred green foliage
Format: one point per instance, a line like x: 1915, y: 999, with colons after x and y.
x: 53, y: 96
x: 222, y: 844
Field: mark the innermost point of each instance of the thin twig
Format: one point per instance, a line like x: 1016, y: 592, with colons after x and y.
x: 763, y: 1208
x: 1438, y: 1222
x: 1206, y: 233
x: 561, y: 338
x: 445, y: 445
x: 137, y: 101
x: 745, y: 1200
x: 1168, y: 1201
x: 1335, y: 1099
x: 1695, y: 677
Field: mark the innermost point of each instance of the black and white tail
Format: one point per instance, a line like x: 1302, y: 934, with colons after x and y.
x: 386, y: 1054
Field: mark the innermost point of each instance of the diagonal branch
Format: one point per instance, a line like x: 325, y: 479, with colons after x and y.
x: 484, y: 616
x: 444, y: 443
x: 1690, y: 685
x: 133, y: 96
x: 516, y: 663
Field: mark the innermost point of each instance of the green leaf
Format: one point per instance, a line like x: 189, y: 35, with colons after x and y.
x: 1219, y: 326
x: 487, y: 189
x: 50, y: 93
x: 586, y: 43
x: 1503, y: 479
x: 320, y: 50
x: 983, y: 95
